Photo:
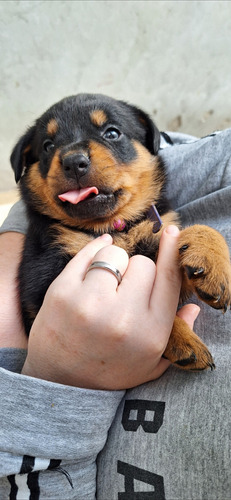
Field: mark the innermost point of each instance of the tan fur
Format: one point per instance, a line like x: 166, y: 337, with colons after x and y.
x: 46, y: 190
x: 185, y: 344
x: 207, y: 249
x: 24, y: 154
x: 98, y: 117
x: 52, y: 127
x: 69, y: 240
x: 141, y: 181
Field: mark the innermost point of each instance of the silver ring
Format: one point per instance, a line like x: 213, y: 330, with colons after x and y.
x: 104, y: 265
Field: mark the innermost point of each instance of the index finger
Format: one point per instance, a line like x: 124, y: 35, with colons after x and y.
x: 78, y: 265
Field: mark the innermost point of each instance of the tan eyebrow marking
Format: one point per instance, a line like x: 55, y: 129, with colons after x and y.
x: 98, y: 117
x: 52, y: 127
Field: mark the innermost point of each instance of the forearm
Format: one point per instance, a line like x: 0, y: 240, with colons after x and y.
x: 11, y: 328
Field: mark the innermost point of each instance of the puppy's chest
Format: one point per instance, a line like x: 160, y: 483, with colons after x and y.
x: 138, y: 240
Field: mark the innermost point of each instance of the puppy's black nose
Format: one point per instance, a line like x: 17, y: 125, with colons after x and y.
x: 76, y: 165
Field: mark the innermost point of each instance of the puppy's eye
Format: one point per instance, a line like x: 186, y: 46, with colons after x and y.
x: 48, y: 145
x: 112, y: 134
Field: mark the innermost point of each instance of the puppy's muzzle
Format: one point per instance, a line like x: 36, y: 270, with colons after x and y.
x: 75, y: 165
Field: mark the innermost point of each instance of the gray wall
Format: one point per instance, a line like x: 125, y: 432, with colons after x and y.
x: 171, y: 58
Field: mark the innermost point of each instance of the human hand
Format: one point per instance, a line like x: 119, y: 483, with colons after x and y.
x: 92, y: 333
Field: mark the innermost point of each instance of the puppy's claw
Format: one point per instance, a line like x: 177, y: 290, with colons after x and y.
x: 194, y: 271
x: 225, y: 308
x: 183, y: 248
x: 198, y: 271
x: 216, y: 299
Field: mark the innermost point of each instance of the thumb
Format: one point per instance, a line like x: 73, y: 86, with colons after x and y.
x: 189, y: 313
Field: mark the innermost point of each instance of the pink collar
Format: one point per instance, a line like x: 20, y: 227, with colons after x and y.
x: 152, y: 214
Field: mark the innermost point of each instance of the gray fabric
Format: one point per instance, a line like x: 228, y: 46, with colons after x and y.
x: 51, y: 421
x: 12, y: 359
x: 171, y: 437
x: 16, y: 220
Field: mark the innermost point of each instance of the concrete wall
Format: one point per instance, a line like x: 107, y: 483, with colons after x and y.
x: 171, y: 58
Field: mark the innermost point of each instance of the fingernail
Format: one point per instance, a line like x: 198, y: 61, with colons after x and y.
x: 172, y: 230
x: 106, y: 237
x: 195, y: 309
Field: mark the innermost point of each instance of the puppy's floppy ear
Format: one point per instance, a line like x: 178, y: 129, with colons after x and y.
x: 152, y: 133
x: 21, y: 154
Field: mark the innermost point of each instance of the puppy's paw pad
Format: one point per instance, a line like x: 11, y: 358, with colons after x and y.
x: 192, y: 363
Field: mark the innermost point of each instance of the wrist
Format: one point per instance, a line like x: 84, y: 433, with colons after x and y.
x: 58, y: 376
x: 37, y: 369
x: 30, y: 371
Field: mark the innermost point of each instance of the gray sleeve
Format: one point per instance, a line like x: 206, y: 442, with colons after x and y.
x: 16, y: 220
x: 51, y: 432
x: 12, y: 359
x: 198, y: 169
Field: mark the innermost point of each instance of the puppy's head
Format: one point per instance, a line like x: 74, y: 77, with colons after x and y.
x: 88, y: 161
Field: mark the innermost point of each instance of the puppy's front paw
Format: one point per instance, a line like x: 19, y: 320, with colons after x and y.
x: 186, y: 350
x: 204, y: 257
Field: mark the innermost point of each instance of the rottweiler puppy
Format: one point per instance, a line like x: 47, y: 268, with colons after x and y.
x: 90, y: 165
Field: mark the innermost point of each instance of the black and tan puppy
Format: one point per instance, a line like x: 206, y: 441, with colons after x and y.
x: 90, y: 165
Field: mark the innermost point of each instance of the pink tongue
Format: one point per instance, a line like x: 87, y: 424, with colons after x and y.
x: 78, y: 195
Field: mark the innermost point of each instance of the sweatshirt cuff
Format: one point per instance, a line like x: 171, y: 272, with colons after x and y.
x: 46, y: 419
